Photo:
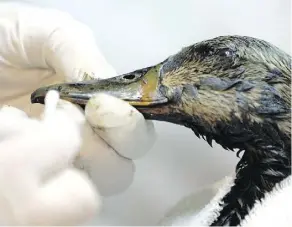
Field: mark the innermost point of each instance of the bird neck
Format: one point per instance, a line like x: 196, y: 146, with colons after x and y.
x: 259, y: 170
x: 266, y: 161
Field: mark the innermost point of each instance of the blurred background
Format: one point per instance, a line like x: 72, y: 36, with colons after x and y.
x: 134, y: 34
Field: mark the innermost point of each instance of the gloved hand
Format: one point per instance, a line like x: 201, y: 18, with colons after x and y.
x: 45, y: 46
x: 39, y: 185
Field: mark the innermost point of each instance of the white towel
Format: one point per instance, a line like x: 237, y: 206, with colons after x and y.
x: 274, y: 210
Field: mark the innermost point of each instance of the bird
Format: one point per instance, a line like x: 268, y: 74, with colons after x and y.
x: 234, y: 90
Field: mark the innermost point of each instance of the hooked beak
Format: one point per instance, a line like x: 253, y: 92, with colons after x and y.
x: 140, y: 88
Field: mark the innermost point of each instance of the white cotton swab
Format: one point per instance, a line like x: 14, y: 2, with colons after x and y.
x: 51, y: 101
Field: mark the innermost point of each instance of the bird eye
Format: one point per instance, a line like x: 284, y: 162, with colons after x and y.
x: 129, y: 77
x: 226, y: 52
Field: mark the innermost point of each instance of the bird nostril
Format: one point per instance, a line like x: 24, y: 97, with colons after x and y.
x: 129, y: 77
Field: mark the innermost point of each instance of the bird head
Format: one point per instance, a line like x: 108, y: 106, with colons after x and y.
x: 227, y: 88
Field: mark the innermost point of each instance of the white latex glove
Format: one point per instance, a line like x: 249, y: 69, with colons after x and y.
x: 45, y: 46
x: 39, y: 185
